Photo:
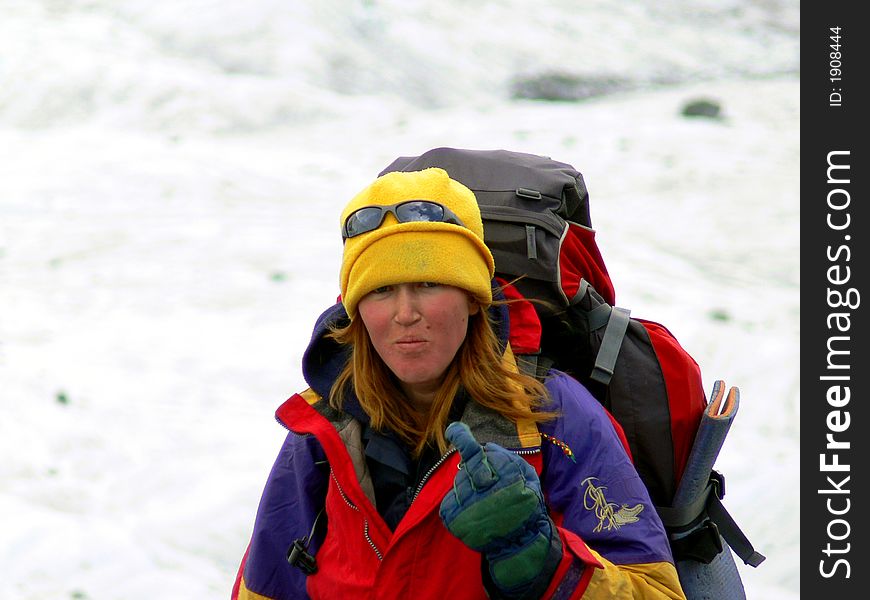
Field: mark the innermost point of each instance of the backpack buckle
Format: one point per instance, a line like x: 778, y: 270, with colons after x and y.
x: 703, y: 543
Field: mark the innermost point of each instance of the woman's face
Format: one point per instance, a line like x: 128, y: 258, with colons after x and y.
x: 416, y: 328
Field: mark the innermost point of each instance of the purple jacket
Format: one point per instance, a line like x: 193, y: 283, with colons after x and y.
x: 592, y: 491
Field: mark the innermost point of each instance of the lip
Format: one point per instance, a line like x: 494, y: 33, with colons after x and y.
x: 411, y: 343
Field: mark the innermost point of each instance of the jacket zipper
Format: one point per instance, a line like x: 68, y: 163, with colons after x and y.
x: 344, y: 497
x: 356, y: 508
x: 521, y: 452
x: 430, y: 471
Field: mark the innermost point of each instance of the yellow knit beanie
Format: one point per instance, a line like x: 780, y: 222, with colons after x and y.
x: 418, y: 251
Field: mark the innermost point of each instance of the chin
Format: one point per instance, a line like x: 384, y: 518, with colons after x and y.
x: 415, y: 377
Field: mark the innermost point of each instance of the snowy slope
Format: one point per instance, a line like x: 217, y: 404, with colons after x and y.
x: 172, y: 177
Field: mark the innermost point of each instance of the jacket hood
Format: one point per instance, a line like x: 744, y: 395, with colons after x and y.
x: 324, y: 358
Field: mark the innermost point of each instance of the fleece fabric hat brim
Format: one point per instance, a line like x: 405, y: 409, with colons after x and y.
x: 436, y: 252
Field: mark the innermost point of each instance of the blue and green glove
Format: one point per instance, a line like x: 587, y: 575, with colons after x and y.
x: 496, y: 508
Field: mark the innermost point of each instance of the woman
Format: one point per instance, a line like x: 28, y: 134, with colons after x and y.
x: 421, y: 463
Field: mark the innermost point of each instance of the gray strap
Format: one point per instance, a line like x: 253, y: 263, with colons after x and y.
x: 531, y: 243
x: 732, y: 533
x: 599, y: 316
x: 581, y: 292
x: 676, y: 517
x: 534, y: 365
x: 709, y: 501
x: 545, y: 363
x: 610, y: 345
x: 528, y: 364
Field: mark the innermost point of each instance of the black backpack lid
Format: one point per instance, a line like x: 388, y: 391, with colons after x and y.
x: 503, y: 170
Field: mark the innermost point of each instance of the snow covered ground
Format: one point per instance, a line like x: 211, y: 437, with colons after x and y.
x: 172, y: 175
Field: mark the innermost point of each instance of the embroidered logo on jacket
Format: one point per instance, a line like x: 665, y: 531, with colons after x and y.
x: 609, y: 514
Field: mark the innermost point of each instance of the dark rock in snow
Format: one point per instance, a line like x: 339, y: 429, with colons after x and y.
x: 564, y: 87
x: 702, y: 107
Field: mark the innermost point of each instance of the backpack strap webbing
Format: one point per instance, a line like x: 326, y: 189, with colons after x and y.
x: 535, y: 365
x: 694, y: 530
x: 528, y: 364
x: 732, y: 533
x: 545, y: 363
x: 614, y: 333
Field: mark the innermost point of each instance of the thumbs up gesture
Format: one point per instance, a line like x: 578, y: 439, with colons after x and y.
x: 496, y: 508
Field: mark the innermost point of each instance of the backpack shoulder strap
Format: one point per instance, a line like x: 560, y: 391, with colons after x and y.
x: 615, y: 321
x: 605, y: 362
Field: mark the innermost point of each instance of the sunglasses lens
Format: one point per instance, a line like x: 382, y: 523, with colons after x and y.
x: 370, y: 218
x: 363, y: 220
x: 419, y: 211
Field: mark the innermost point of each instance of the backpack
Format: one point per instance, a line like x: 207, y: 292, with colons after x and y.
x: 537, y: 225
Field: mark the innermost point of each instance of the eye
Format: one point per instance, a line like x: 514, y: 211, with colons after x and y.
x: 429, y: 284
x: 382, y: 290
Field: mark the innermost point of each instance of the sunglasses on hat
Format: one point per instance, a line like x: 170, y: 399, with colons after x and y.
x: 369, y: 218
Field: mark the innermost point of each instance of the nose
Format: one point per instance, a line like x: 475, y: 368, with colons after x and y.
x: 406, y: 309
